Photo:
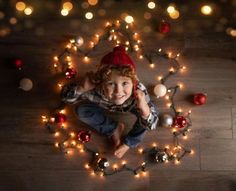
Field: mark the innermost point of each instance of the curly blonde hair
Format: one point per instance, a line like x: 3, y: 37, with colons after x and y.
x: 103, y: 74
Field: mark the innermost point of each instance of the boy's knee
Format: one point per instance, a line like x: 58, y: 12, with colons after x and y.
x: 86, y: 110
x: 80, y: 110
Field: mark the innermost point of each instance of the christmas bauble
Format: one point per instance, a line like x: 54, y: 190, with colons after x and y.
x: 199, y: 99
x: 84, y: 136
x: 161, y: 156
x: 18, y: 63
x: 79, y: 41
x: 180, y: 122
x: 60, y: 118
x: 166, y: 120
x: 160, y: 90
x: 164, y: 27
x: 102, y: 163
x: 26, y: 84
x: 70, y: 73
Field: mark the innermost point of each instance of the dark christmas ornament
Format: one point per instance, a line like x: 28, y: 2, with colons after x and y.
x: 164, y: 27
x: 70, y: 73
x: 18, y: 63
x: 60, y: 118
x: 84, y: 136
x: 199, y: 99
x: 180, y: 122
x: 102, y: 164
x: 161, y: 156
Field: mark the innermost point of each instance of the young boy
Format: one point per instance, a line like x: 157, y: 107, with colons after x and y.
x: 114, y: 87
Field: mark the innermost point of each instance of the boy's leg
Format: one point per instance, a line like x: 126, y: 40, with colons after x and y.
x: 135, y: 135
x: 133, y: 138
x: 95, y: 117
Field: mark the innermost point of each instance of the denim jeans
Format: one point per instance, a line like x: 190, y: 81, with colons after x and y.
x: 96, y: 117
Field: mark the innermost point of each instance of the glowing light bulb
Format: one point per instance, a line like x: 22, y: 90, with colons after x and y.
x: 177, y: 162
x: 28, y: 10
x: 57, y: 134
x: 56, y: 145
x: 86, y: 59
x: 170, y: 9
x: 64, y: 12
x: 152, y: 65
x: 159, y: 78
x: 175, y: 14
x: 72, y: 134
x: 124, y: 162
x: 171, y: 69
x: 20, y: 6
x: 181, y: 86
x: 67, y: 5
x: 55, y: 58
x: 89, y: 15
x: 151, y: 5
x: 154, y: 144
x: 92, y: 2
x: 86, y: 166
x: 185, y: 137
x: 129, y: 19
x: 206, y: 10
x: 167, y: 147
x: 140, y: 150
x: 115, y: 166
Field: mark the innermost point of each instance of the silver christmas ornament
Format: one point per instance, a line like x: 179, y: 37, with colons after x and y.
x: 26, y: 84
x: 79, y: 41
x: 166, y: 120
x: 161, y: 156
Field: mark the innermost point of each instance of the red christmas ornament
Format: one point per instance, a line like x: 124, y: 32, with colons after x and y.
x: 18, y: 63
x: 70, y: 73
x: 180, y: 122
x: 199, y: 99
x: 84, y: 136
x: 60, y: 118
x: 164, y: 27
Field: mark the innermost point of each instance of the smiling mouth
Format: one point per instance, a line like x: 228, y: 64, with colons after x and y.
x: 119, y: 97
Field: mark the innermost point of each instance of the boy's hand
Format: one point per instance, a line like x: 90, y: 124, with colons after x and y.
x: 142, y: 104
x: 86, y: 84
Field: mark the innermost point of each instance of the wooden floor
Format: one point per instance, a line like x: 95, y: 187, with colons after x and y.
x: 29, y: 161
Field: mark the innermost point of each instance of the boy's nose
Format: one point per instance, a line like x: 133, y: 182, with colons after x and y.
x: 118, y: 89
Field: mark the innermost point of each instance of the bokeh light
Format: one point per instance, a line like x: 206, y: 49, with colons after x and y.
x: 206, y: 10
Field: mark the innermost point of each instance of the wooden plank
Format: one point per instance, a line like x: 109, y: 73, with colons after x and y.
x: 218, y: 154
x: 234, y: 122
x: 72, y: 180
x: 192, y: 180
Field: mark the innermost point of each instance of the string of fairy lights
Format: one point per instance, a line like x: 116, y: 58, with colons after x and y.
x: 70, y: 141
x: 15, y: 12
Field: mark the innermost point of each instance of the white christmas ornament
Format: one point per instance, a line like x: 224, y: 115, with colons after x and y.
x: 26, y: 84
x: 79, y: 41
x: 160, y: 90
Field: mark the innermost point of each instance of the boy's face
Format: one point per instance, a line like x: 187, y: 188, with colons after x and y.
x: 118, y: 89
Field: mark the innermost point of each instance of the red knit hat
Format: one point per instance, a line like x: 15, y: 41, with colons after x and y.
x: 117, y: 57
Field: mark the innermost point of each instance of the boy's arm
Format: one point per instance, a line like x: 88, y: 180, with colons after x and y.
x: 72, y: 92
x: 148, y: 111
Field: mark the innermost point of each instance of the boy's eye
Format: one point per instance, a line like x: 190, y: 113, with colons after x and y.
x: 125, y: 83
x: 110, y: 83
